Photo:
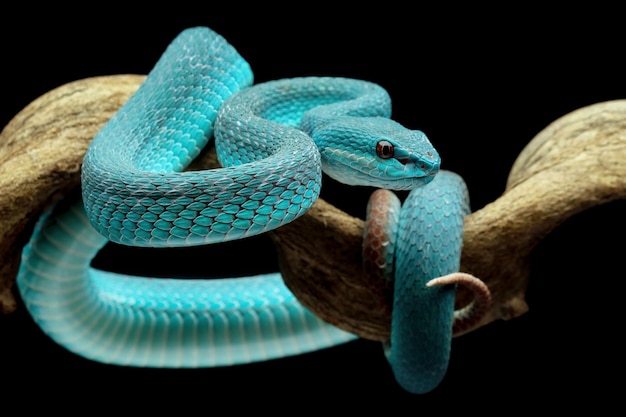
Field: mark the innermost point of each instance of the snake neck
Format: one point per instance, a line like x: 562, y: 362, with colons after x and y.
x: 347, y: 120
x: 262, y: 119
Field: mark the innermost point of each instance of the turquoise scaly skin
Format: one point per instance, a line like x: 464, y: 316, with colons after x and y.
x: 428, y: 245
x: 273, y: 140
x: 414, y: 247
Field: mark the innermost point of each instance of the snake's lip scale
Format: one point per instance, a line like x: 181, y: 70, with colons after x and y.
x: 420, y: 168
x: 423, y: 164
x: 419, y: 165
x: 404, y: 161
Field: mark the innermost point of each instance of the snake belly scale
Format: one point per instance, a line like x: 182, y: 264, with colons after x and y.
x: 273, y: 140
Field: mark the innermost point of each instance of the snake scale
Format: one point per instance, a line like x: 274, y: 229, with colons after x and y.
x: 273, y: 140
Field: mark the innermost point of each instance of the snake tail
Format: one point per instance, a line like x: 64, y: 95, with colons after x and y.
x: 468, y: 316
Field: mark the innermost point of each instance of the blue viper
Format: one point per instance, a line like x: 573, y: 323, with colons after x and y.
x: 273, y: 141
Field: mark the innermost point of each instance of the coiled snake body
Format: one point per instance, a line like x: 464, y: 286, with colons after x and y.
x: 272, y: 139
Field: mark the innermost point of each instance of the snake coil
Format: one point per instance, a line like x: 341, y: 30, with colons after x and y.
x: 273, y: 140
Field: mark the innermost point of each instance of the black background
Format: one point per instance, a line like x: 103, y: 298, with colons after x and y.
x: 481, y: 84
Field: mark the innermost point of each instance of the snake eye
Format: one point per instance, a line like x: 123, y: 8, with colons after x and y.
x: 384, y: 149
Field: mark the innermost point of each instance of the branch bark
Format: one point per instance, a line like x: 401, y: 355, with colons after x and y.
x: 573, y: 164
x: 41, y: 151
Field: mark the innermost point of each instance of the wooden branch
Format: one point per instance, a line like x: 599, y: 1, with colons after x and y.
x: 573, y: 164
x: 41, y: 151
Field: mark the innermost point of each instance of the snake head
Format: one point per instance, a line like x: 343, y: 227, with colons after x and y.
x: 377, y: 152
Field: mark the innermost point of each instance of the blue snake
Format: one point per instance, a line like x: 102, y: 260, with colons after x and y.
x: 273, y: 141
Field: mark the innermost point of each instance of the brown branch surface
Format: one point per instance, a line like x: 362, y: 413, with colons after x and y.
x: 41, y: 150
x: 573, y: 164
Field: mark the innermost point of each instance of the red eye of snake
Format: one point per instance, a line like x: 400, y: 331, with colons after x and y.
x: 384, y: 149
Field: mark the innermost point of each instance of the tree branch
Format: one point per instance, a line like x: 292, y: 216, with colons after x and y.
x: 573, y: 164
